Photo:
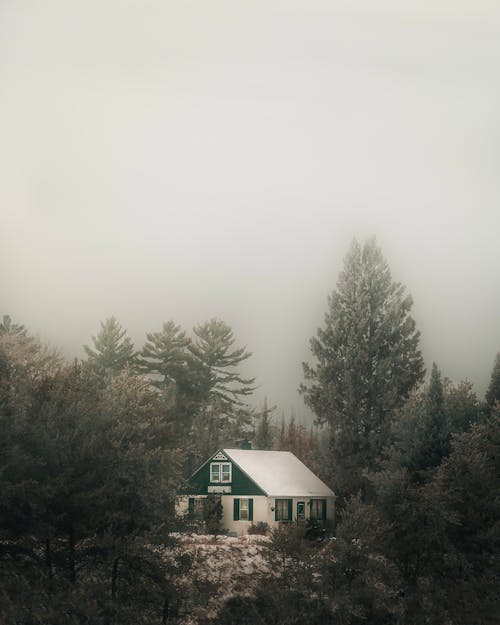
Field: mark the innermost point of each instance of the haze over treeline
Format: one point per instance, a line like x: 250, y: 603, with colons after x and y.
x: 180, y: 161
x: 94, y: 454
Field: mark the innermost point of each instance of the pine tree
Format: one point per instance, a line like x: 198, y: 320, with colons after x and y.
x: 264, y: 434
x: 170, y: 366
x: 367, y: 363
x: 112, y: 350
x: 281, y: 442
x: 493, y: 392
x: 223, y: 416
x: 467, y: 484
x: 213, y: 348
x: 421, y: 431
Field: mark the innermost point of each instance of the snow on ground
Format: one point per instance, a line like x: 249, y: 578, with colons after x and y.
x: 221, y: 566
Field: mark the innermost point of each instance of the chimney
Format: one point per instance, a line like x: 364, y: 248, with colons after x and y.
x: 246, y: 444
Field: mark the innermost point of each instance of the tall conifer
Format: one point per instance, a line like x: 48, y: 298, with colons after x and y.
x: 367, y: 362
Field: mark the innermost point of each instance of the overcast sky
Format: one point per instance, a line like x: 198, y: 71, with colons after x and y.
x: 191, y: 159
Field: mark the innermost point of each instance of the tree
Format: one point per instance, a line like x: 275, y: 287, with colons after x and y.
x: 264, y: 432
x: 170, y: 366
x: 468, y: 485
x: 113, y: 350
x: 421, y: 432
x: 212, y: 514
x: 86, y: 482
x: 223, y: 415
x: 367, y: 362
x: 461, y: 405
x: 493, y: 392
x: 444, y: 530
x: 213, y: 348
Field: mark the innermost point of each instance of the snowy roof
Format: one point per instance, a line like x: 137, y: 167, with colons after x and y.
x: 279, y: 473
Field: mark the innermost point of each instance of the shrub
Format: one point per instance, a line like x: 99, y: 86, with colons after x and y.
x: 259, y: 528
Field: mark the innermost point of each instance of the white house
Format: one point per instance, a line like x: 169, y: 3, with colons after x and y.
x: 255, y: 485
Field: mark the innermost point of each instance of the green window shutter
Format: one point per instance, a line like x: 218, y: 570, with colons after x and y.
x: 250, y: 509
x: 275, y: 509
x: 191, y: 506
x: 323, y: 514
x: 290, y: 512
x: 236, y: 510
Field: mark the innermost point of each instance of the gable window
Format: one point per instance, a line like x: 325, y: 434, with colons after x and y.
x: 283, y: 510
x: 215, y: 472
x: 318, y: 509
x: 242, y: 509
x: 220, y: 472
x: 225, y: 472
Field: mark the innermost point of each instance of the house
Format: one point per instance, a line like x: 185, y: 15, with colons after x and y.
x: 254, y: 486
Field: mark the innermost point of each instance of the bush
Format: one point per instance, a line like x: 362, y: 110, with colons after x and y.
x: 259, y: 528
x: 212, y: 514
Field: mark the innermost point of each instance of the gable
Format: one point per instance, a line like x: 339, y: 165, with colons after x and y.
x: 208, y: 479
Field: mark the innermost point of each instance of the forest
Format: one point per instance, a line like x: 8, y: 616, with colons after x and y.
x: 93, y: 452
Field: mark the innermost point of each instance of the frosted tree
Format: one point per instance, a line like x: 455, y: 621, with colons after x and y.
x: 264, y: 431
x: 493, y: 392
x: 367, y: 362
x: 112, y: 350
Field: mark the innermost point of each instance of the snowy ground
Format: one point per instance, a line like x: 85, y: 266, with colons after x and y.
x: 221, y: 567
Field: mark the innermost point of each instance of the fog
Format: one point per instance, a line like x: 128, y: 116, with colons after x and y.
x: 187, y: 160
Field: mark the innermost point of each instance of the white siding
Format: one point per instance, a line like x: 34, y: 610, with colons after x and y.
x: 263, y: 510
x: 260, y: 512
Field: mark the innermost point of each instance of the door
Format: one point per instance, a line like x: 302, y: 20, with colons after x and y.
x: 301, y: 510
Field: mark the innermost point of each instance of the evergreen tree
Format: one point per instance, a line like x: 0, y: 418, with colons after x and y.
x: 467, y: 484
x: 7, y: 327
x: 461, y: 405
x: 86, y: 480
x: 423, y: 437
x: 367, y: 363
x: 212, y: 514
x: 264, y: 434
x: 282, y: 438
x: 493, y: 392
x: 223, y: 416
x: 112, y: 350
x: 213, y: 348
x: 423, y: 428
x: 167, y: 361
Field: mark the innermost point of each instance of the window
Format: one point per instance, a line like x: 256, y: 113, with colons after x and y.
x: 283, y: 510
x: 226, y: 472
x: 215, y: 472
x: 318, y: 509
x: 243, y: 510
x: 220, y: 472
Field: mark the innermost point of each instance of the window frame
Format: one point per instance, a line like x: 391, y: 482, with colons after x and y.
x: 244, y: 508
x: 220, y: 466
x: 237, y: 509
x: 281, y: 506
x: 318, y: 505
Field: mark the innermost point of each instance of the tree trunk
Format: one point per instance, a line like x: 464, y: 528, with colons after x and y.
x: 48, y: 558
x: 71, y: 554
x: 166, y: 611
x: 114, y: 579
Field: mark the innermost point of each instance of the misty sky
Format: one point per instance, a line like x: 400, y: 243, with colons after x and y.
x: 192, y: 159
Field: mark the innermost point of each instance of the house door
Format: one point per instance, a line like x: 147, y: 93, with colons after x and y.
x: 301, y: 510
